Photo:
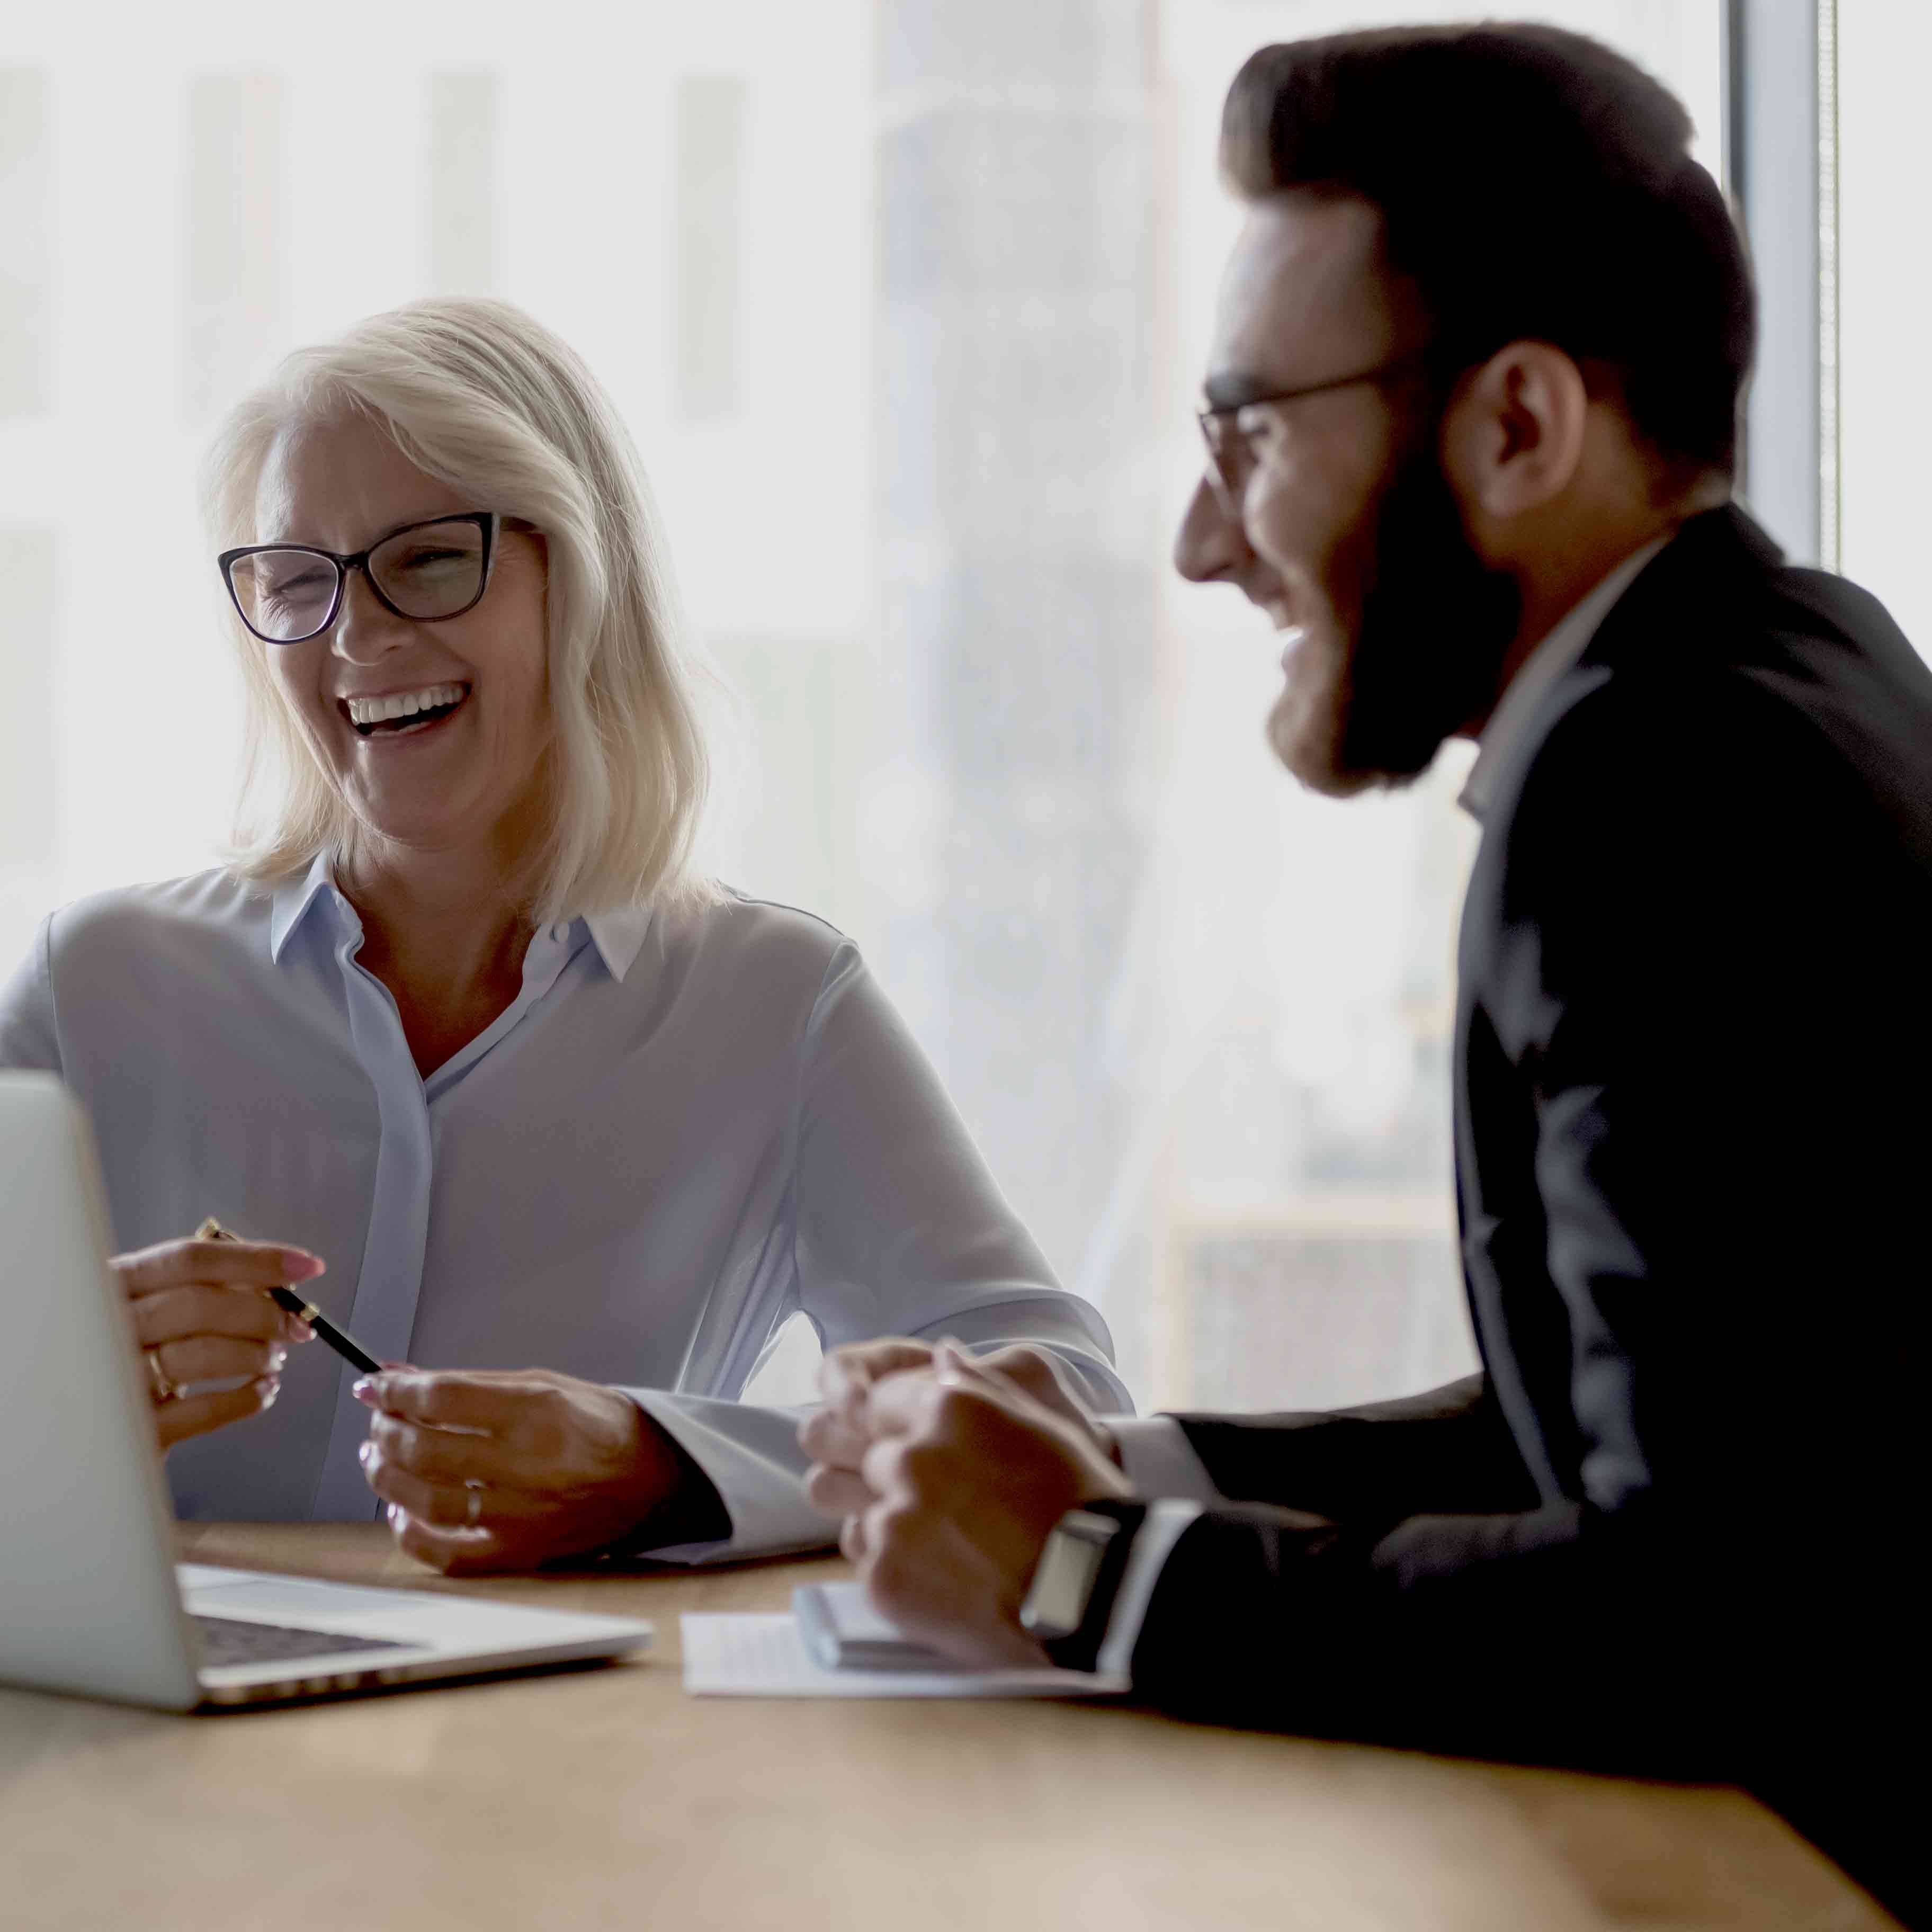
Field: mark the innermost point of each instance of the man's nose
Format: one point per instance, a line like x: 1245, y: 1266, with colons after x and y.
x: 1210, y: 543
x: 364, y: 631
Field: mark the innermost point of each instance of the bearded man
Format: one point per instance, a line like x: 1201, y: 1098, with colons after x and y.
x: 1471, y: 428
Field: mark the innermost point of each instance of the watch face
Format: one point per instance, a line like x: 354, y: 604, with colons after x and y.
x: 1061, y: 1585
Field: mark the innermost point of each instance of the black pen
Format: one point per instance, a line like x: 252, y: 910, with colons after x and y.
x: 344, y: 1344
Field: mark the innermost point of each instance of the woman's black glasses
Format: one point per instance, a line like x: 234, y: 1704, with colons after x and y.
x: 289, y: 593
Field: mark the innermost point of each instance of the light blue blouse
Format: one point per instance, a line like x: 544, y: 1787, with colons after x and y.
x: 685, y: 1128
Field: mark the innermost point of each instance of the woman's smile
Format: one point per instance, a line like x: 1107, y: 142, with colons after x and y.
x: 412, y: 713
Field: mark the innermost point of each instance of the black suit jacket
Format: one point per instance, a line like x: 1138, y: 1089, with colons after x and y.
x: 1671, y: 1528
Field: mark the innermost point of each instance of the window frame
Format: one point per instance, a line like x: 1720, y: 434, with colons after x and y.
x: 1780, y: 165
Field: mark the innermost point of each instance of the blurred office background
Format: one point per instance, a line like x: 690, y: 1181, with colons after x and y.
x: 905, y: 302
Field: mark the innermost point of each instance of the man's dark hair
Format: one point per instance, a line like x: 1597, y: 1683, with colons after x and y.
x: 1533, y: 185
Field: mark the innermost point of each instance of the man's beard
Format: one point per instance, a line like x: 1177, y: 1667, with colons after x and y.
x: 1435, y: 627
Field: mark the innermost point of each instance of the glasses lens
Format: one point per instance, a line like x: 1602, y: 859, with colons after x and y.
x: 434, y: 571
x: 1228, y: 461
x: 284, y: 594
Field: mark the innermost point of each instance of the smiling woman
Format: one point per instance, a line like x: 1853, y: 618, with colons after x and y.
x: 373, y: 421
x: 423, y: 709
x: 462, y: 1028
x: 433, y: 571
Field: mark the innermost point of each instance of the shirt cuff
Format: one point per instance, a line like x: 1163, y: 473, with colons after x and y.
x: 752, y: 1457
x: 1159, y: 1461
x: 1166, y: 1522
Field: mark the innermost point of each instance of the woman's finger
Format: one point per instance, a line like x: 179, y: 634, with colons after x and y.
x: 444, y: 1456
x: 456, y: 1552
x: 467, y: 1553
x: 483, y: 1399
x: 186, y: 1415
x: 173, y: 1314
x: 218, y: 1358
x: 449, y: 1505
x: 237, y: 1263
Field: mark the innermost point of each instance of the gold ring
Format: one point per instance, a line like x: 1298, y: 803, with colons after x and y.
x: 159, y: 1386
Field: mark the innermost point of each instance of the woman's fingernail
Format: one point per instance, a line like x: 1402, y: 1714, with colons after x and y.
x: 394, y: 1511
x: 267, y: 1387
x: 278, y: 1360
x: 301, y: 1266
x: 297, y: 1329
x: 363, y: 1388
x: 363, y: 1454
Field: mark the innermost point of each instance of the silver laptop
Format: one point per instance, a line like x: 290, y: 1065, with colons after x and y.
x: 90, y: 1599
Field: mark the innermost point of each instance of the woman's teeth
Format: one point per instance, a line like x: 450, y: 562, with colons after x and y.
x: 366, y: 713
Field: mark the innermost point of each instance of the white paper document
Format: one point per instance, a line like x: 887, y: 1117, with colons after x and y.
x: 740, y: 1656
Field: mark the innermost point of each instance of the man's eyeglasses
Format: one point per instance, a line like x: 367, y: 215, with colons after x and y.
x: 287, y: 593
x: 1231, y: 459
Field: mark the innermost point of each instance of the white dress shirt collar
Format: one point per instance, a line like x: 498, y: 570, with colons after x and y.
x: 618, y: 932
x: 1556, y: 654
x: 291, y: 902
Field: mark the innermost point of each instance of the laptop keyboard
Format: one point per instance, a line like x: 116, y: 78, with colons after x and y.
x: 228, y: 1640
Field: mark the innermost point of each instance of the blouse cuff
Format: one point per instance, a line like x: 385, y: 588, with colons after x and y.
x: 752, y: 1457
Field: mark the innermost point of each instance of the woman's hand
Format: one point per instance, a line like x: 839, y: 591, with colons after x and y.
x: 201, y: 1315
x: 484, y: 1469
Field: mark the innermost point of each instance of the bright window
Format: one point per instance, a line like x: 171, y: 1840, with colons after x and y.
x: 1885, y: 295
x: 905, y: 303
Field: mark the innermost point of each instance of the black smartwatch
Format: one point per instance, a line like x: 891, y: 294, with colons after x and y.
x: 1078, y: 1576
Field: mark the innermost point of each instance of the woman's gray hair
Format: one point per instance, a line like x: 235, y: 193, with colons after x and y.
x: 481, y: 396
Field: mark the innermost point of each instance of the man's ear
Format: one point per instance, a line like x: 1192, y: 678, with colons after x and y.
x: 1512, y: 434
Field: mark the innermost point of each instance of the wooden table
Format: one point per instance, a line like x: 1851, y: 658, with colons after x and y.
x: 609, y: 1798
